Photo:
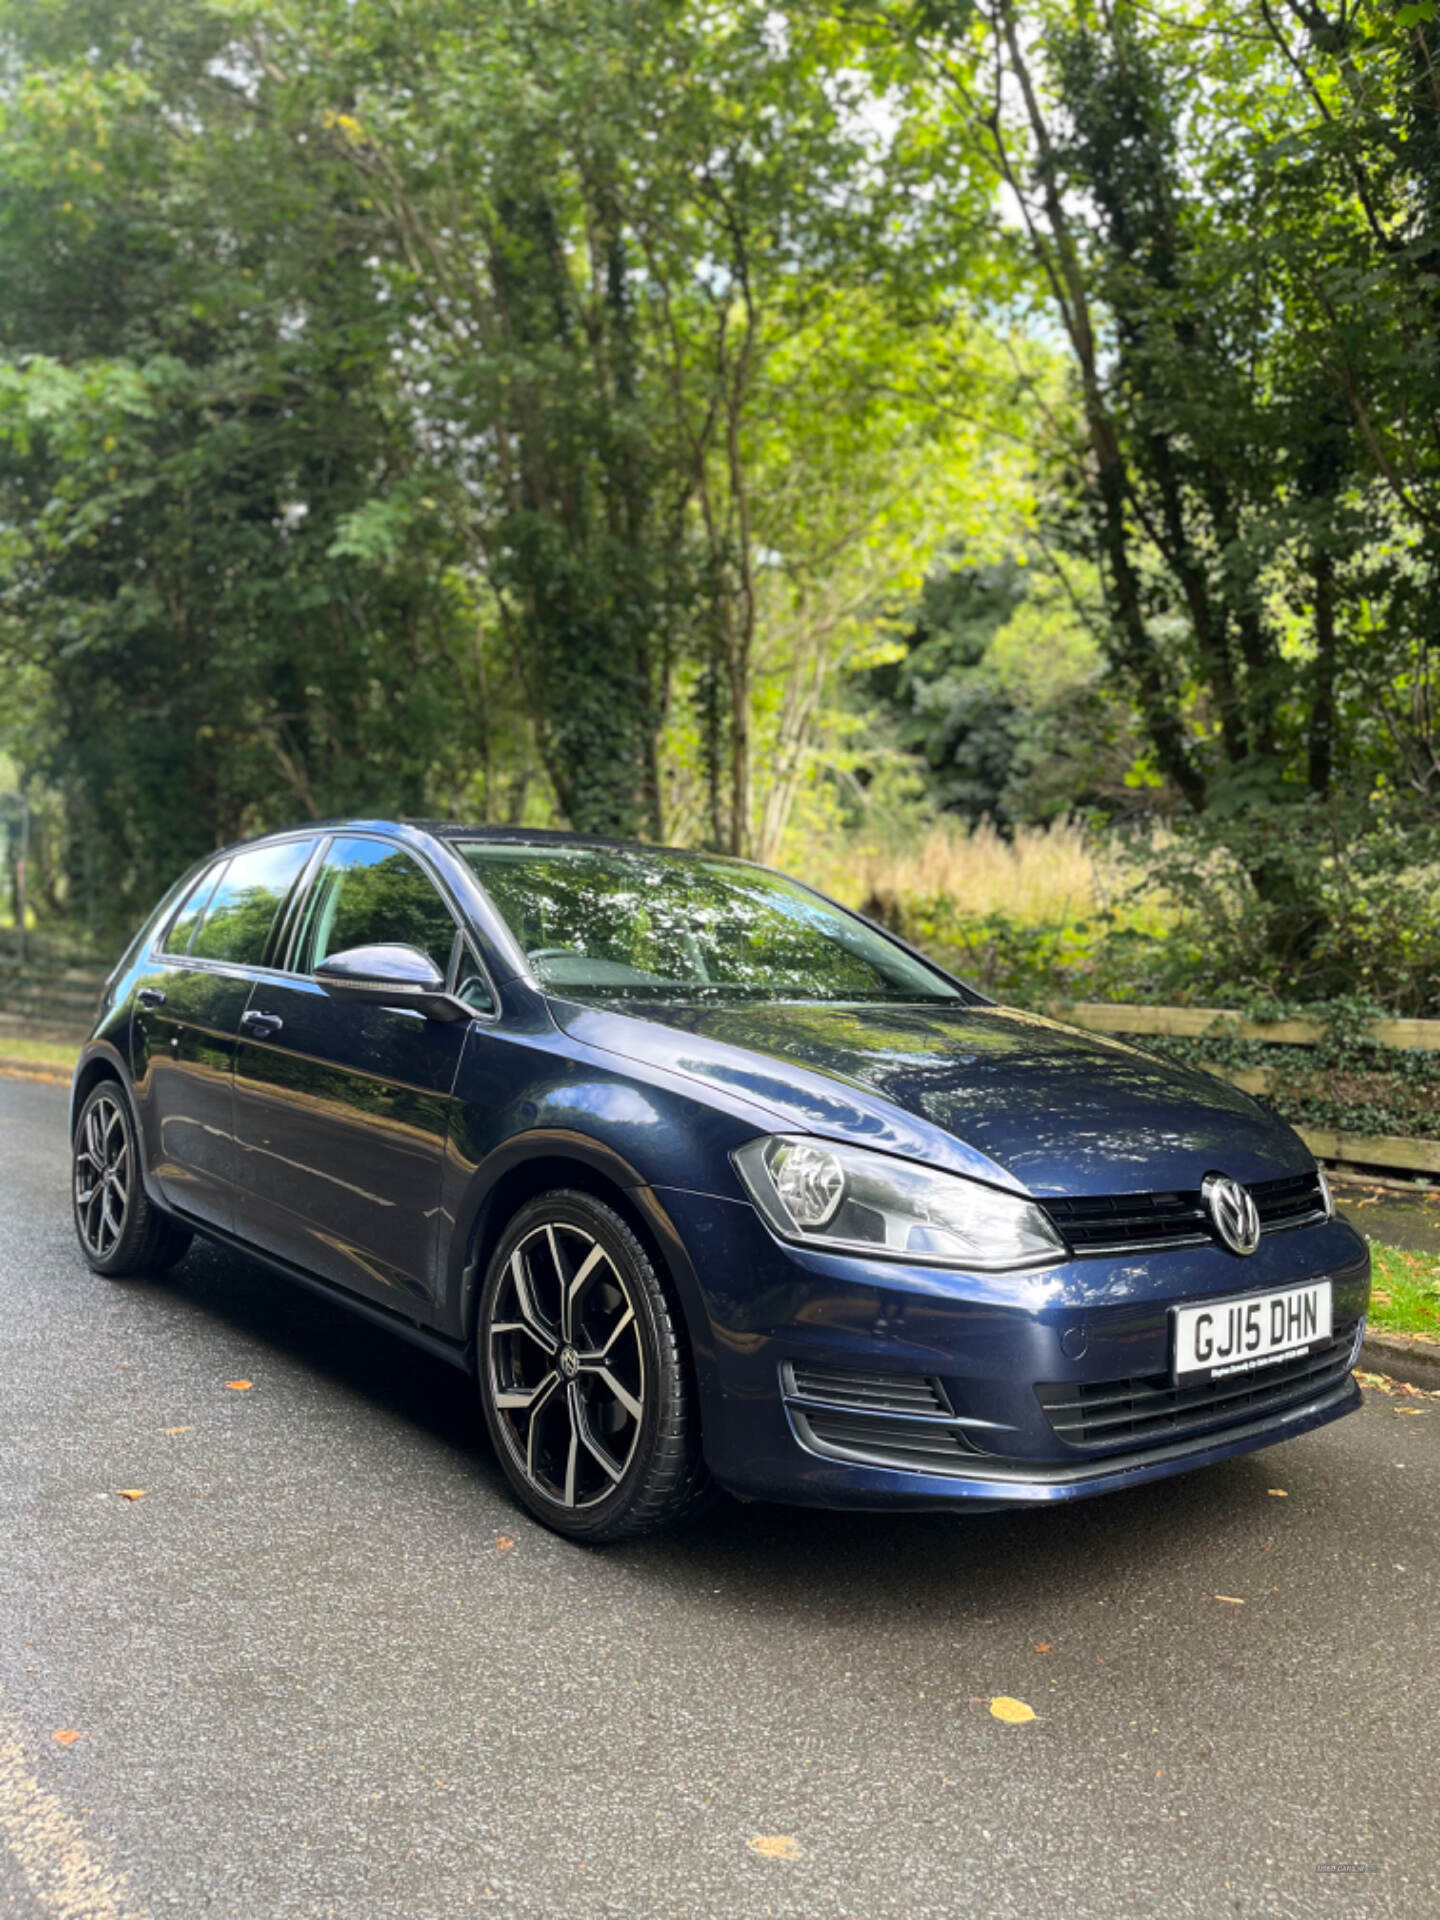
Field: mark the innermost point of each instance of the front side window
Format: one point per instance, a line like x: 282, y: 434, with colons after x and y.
x: 243, y: 907
x: 182, y: 927
x: 635, y: 924
x: 368, y: 894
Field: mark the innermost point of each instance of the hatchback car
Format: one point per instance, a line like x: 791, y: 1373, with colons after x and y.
x: 707, y: 1180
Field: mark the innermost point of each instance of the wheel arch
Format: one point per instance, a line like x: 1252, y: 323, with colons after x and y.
x: 542, y: 1162
x: 100, y: 1061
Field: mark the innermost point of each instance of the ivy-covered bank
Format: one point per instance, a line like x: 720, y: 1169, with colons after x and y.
x: 1346, y: 1080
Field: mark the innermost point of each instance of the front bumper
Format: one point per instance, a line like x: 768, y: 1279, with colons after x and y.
x: 988, y: 1342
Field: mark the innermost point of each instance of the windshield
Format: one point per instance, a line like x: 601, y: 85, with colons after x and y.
x: 640, y: 925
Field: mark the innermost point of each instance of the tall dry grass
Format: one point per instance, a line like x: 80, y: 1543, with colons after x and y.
x: 1048, y: 876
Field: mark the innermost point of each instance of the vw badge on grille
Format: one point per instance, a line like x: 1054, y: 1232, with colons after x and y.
x: 1233, y: 1211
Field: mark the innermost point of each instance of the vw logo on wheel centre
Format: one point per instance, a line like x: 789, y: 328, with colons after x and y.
x: 1230, y: 1207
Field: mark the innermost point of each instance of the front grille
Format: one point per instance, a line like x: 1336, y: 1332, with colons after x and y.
x: 910, y: 1393
x: 1289, y: 1202
x: 1147, y: 1408
x: 880, y: 1442
x: 1137, y: 1222
x: 1117, y: 1222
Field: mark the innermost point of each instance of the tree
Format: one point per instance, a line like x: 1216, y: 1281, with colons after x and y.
x: 1219, y: 479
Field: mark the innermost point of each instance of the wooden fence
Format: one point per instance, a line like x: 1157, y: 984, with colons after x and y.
x: 1195, y: 1023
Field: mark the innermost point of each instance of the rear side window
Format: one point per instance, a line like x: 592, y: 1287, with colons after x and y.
x: 252, y: 890
x: 368, y: 894
x: 182, y: 927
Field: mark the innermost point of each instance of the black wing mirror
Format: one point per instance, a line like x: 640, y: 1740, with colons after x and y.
x: 390, y: 976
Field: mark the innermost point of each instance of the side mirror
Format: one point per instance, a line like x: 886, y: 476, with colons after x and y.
x: 390, y: 976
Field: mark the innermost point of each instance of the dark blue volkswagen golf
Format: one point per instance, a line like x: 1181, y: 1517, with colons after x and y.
x: 708, y: 1180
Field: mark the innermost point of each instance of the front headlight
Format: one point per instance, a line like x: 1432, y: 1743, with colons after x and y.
x: 853, y: 1201
x: 1326, y: 1197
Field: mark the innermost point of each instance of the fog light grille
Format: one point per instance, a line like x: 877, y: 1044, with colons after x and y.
x: 905, y: 1393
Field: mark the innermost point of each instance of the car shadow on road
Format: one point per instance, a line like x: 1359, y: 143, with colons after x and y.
x: 785, y: 1561
x: 330, y: 1341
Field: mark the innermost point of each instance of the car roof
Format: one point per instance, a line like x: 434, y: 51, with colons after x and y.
x: 406, y: 827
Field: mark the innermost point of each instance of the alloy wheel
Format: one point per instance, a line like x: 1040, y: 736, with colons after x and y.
x: 567, y: 1365
x: 103, y: 1173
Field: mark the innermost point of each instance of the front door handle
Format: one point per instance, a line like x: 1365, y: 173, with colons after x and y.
x: 262, y: 1024
x: 151, y: 996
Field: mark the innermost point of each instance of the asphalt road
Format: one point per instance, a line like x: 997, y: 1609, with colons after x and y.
x: 310, y: 1679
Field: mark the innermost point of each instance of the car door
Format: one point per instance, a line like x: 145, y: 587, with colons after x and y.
x: 342, y: 1110
x: 188, y: 1005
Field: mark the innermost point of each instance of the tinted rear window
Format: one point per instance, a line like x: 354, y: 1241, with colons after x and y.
x: 251, y: 893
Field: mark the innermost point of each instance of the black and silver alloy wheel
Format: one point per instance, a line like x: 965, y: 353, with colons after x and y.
x: 120, y: 1229
x: 567, y: 1368
x: 104, y: 1169
x: 583, y: 1375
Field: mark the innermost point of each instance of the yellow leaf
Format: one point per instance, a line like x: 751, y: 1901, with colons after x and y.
x: 177, y: 1429
x: 1228, y: 1598
x: 1042, y: 1646
x: 504, y: 1542
x: 1277, y: 1493
x: 66, y: 1736
x: 239, y: 1386
x: 1013, y: 1712
x: 131, y: 1493
x: 775, y: 1846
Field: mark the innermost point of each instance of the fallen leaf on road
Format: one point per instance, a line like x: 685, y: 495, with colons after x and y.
x: 775, y: 1846
x: 177, y: 1429
x: 1013, y: 1712
x: 504, y: 1542
x: 1042, y: 1646
x: 1277, y: 1493
x: 1229, y: 1599
x: 66, y: 1736
x: 239, y: 1386
x: 1410, y: 1409
x: 131, y: 1493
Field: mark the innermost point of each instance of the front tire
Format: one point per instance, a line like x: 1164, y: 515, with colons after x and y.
x: 120, y: 1230
x: 583, y: 1374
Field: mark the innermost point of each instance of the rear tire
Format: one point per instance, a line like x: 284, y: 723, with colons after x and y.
x: 584, y: 1375
x: 120, y: 1229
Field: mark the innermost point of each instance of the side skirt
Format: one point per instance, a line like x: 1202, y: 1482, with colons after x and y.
x: 456, y: 1352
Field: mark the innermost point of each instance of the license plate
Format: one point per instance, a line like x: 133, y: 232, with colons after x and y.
x: 1223, y: 1337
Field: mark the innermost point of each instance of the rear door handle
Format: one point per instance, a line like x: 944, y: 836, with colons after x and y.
x: 263, y: 1024
x: 151, y: 996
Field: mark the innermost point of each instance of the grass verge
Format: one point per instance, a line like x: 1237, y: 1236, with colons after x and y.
x: 47, y: 1059
x: 1406, y: 1291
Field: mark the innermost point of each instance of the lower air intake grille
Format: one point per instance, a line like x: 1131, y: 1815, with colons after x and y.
x: 1104, y: 1413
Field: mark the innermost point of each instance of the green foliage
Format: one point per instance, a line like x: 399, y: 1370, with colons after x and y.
x: 1000, y: 695
x: 655, y: 417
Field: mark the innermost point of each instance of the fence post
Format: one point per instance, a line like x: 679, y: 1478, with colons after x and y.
x: 22, y: 867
